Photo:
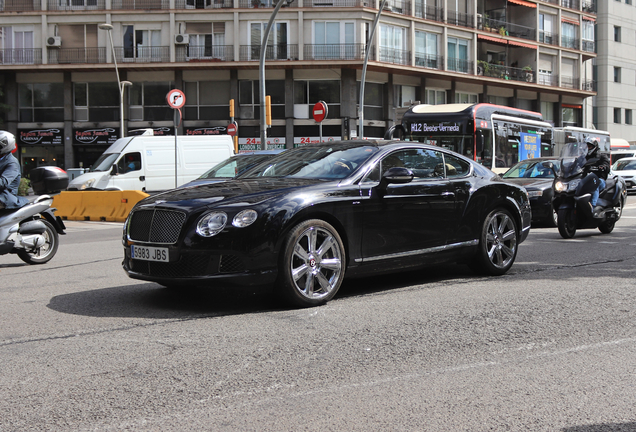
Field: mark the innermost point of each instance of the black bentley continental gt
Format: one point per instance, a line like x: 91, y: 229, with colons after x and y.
x: 311, y: 215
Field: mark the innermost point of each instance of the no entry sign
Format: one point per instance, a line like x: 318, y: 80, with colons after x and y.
x: 231, y: 129
x: 320, y: 111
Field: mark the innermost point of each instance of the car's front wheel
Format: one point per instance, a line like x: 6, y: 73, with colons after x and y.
x: 497, y: 244
x: 312, y: 264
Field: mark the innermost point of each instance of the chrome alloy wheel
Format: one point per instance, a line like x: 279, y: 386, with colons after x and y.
x: 316, y: 263
x: 501, y: 240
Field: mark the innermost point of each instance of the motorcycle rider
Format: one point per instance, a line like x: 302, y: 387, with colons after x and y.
x: 9, y: 174
x: 599, y: 164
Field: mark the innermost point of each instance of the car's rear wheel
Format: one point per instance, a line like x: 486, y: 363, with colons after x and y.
x: 312, y: 264
x: 497, y: 244
x: 567, y: 223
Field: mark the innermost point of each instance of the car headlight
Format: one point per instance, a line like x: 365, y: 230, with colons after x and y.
x: 87, y: 184
x: 244, y: 218
x: 211, y: 224
x: 534, y: 194
x: 560, y: 186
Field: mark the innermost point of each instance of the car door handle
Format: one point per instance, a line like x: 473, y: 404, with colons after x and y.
x: 142, y: 178
x: 448, y: 195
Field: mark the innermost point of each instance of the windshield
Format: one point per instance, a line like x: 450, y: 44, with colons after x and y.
x: 315, y: 162
x: 625, y: 165
x: 573, y: 159
x: 105, y: 162
x: 234, y: 166
x: 531, y: 169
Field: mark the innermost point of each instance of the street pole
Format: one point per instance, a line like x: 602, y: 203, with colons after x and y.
x: 261, y: 69
x: 364, y: 72
x: 120, y: 84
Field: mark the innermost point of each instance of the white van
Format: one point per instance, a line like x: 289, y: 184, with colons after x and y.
x: 146, y: 162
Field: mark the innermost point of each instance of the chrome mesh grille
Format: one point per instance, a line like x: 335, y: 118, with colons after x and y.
x: 156, y: 226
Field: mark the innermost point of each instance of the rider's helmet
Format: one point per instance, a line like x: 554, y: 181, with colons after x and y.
x: 7, y: 142
x: 592, y: 146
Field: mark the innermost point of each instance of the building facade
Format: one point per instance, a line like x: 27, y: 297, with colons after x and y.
x: 58, y: 71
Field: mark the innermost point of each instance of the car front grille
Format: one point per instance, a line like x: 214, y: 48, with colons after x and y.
x: 156, y: 225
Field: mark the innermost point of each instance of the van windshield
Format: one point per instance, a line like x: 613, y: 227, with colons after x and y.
x: 105, y: 162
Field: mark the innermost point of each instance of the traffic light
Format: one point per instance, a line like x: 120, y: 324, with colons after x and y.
x: 268, y: 110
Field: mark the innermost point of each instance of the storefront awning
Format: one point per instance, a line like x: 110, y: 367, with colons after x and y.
x: 523, y: 3
x: 570, y: 21
x: 492, y: 39
x: 589, y: 19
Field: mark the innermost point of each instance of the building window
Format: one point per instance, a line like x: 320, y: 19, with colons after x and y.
x: 471, y: 98
x: 547, y: 111
x: 207, y: 100
x: 17, y: 45
x: 142, y: 44
x: 206, y: 42
x: 393, y: 45
x: 458, y: 55
x: 41, y: 102
x: 96, y: 102
x: 435, y: 97
x: 148, y: 101
x: 595, y: 117
x: 277, y: 45
x: 249, y: 99
x: 307, y: 93
x: 628, y: 116
x: 404, y: 95
x: 334, y: 40
x: 373, y: 100
x: 426, y: 50
x: 545, y: 29
x: 569, y: 38
x: 498, y: 100
x: 617, y: 74
x: 617, y: 115
x: 617, y: 34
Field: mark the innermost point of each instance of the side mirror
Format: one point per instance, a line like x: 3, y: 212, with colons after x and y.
x: 113, y: 170
x: 397, y: 175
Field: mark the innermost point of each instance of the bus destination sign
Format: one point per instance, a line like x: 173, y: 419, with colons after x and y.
x: 436, y: 128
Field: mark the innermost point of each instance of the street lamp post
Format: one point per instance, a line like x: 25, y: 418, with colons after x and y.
x: 120, y: 84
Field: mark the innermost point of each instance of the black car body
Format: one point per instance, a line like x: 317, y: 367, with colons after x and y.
x: 538, y: 181
x: 311, y: 214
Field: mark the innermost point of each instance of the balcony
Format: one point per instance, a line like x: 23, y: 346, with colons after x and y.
x: 588, y: 46
x: 548, y: 79
x: 143, y: 54
x: 337, y: 3
x: 21, y: 56
x: 140, y: 4
x: 20, y: 5
x: 589, y: 86
x: 76, y: 55
x: 571, y: 4
x: 548, y: 37
x: 273, y: 52
x: 257, y: 4
x: 460, y: 65
x: 429, y: 12
x: 429, y: 61
x: 460, y: 19
x: 398, y: 6
x: 201, y: 53
x: 504, y: 28
x: 525, y: 74
x: 570, y: 42
x: 204, y: 4
x: 76, y: 5
x: 395, y: 56
x: 589, y: 6
x: 570, y: 82
x: 335, y: 52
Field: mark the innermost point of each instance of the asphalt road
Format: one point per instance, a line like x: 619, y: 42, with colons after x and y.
x: 551, y: 346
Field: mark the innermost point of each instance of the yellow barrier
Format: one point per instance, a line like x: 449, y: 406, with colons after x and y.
x: 109, y: 206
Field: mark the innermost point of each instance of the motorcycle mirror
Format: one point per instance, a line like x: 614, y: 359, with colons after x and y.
x: 548, y: 165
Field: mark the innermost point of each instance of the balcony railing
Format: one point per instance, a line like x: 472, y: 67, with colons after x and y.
x: 71, y: 5
x: 548, y: 37
x: 334, y: 52
x: 143, y: 54
x: 390, y: 55
x: 398, y: 6
x: 571, y: 4
x: 430, y: 61
x: 588, y: 46
x: 337, y: 3
x: 556, y: 2
x: 507, y: 29
x: 256, y: 4
x: 204, y: 4
x: 589, y: 85
x: 460, y: 19
x: 20, y: 56
x: 570, y: 42
x: 20, y: 5
x: 140, y: 4
x: 589, y: 6
x: 506, y: 72
x: 548, y: 79
x: 201, y: 53
x: 460, y: 65
x: 429, y: 12
x: 76, y: 55
x: 570, y: 82
x: 273, y: 52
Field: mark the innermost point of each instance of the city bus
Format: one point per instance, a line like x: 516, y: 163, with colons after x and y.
x: 495, y: 136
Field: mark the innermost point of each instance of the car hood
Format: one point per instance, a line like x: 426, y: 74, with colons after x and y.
x: 231, y: 192
x: 531, y: 183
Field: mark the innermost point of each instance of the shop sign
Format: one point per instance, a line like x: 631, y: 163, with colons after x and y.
x: 51, y: 136
x: 254, y: 144
x: 157, y: 131
x: 101, y: 136
x: 213, y: 130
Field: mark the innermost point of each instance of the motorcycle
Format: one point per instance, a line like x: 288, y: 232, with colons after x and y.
x: 32, y: 231
x: 573, y: 186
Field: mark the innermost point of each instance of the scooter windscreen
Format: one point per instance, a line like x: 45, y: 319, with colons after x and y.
x: 573, y: 159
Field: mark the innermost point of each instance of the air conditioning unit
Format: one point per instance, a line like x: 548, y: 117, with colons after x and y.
x: 182, y: 39
x: 54, y: 41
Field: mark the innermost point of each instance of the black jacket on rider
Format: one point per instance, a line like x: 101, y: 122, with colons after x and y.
x: 598, y: 163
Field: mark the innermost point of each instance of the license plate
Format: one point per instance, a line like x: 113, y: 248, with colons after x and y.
x: 147, y: 253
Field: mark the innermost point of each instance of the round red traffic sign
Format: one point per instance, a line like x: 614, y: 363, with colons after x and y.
x: 175, y: 98
x: 320, y: 111
x: 231, y: 129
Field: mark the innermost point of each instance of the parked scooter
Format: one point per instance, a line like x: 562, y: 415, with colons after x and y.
x: 573, y: 186
x: 32, y: 231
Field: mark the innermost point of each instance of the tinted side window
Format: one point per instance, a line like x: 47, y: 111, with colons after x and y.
x: 455, y: 167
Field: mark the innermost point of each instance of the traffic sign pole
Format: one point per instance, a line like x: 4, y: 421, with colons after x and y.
x: 176, y: 100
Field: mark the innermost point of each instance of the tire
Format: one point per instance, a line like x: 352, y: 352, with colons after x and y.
x: 497, y: 244
x: 566, y: 223
x: 312, y: 264
x: 44, y: 253
x: 608, y: 226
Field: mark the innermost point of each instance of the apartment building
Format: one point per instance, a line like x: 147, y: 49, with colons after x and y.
x: 58, y: 70
x: 615, y: 66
